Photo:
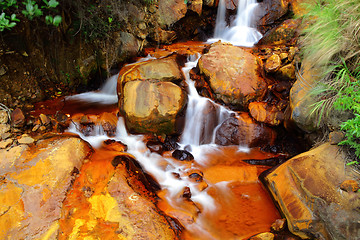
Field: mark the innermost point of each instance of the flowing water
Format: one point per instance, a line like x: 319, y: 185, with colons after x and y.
x: 230, y: 202
x: 242, y: 30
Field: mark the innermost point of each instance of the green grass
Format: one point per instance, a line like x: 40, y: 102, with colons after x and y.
x: 330, y: 43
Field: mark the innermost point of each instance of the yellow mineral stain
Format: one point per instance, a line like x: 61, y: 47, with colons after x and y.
x: 31, y: 176
x: 52, y: 230
x: 76, y: 229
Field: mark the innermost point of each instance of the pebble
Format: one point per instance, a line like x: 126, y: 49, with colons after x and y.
x: 278, y: 225
x: 3, y: 117
x: 44, y: 119
x: 5, y: 135
x: 4, y: 128
x: 263, y: 236
x: 25, y: 139
x: 6, y: 143
x: 17, y: 118
x: 350, y: 186
x: 336, y: 137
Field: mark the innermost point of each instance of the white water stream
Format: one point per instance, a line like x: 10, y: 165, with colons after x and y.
x: 203, y: 117
x: 241, y: 31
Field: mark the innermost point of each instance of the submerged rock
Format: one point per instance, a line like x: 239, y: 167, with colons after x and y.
x: 243, y: 130
x: 36, y: 183
x: 232, y: 74
x: 307, y: 189
x: 182, y: 155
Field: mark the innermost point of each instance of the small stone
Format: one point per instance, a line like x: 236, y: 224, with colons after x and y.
x: 5, y: 135
x: 85, y: 120
x: 25, y: 139
x: 278, y: 225
x: 350, y: 186
x: 287, y: 72
x: 44, y: 119
x: 263, y: 236
x: 273, y: 63
x: 182, y: 155
x: 142, y: 26
x: 283, y: 56
x: 155, y: 146
x: 202, y: 186
x: 2, y: 70
x: 186, y: 193
x: 35, y: 128
x: 17, y: 118
x: 196, y: 176
x: 6, y: 143
x: 42, y: 128
x: 4, y: 118
x: 336, y: 137
x: 4, y: 128
x: 292, y: 52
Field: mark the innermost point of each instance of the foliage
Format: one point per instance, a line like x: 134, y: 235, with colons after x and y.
x: 331, y: 45
x: 30, y: 9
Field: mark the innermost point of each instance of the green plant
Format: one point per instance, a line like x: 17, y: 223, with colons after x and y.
x: 30, y: 9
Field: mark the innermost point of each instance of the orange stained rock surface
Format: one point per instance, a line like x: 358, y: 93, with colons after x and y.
x: 182, y: 48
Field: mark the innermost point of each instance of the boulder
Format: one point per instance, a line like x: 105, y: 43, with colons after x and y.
x: 171, y: 11
x: 232, y: 74
x: 151, y: 106
x: 263, y: 112
x: 243, y: 130
x: 35, y: 185
x: 273, y: 10
x: 273, y: 63
x: 285, y: 33
x: 307, y: 189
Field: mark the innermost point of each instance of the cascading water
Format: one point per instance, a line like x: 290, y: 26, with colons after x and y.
x: 242, y: 31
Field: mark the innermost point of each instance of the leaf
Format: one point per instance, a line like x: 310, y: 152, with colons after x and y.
x: 57, y: 20
x: 53, y: 3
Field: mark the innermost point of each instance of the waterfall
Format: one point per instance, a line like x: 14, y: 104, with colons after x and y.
x: 242, y: 31
x: 203, y: 116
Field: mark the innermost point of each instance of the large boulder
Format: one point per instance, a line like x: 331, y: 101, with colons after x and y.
x: 151, y: 106
x: 232, y: 74
x: 113, y: 199
x: 34, y: 184
x: 243, y: 130
x: 307, y: 190
x: 149, y: 98
x: 285, y: 33
x: 171, y: 11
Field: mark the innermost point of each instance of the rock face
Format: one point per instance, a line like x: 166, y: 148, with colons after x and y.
x: 283, y: 34
x: 34, y: 185
x: 232, y: 75
x: 148, y: 97
x: 243, y: 130
x: 177, y: 8
x: 113, y: 201
x: 307, y: 189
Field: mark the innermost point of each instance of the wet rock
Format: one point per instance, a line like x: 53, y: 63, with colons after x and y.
x: 4, y: 128
x: 273, y: 63
x: 262, y: 112
x: 152, y: 107
x: 5, y: 135
x: 170, y: 143
x: 273, y: 10
x: 182, y: 155
x: 164, y: 37
x: 121, y: 159
x: 155, y: 146
x: 350, y: 186
x: 278, y: 225
x: 243, y: 130
x: 17, y: 118
x: 186, y: 193
x: 108, y: 122
x: 4, y: 118
x: 263, y: 236
x: 285, y: 33
x: 36, y: 186
x: 196, y: 176
x: 195, y: 6
x: 5, y: 143
x: 25, y: 139
x: 177, y: 8
x: 239, y: 82
x: 306, y: 188
x: 163, y: 69
x: 287, y: 72
x: 44, y: 119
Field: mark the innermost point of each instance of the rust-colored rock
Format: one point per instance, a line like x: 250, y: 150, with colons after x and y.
x: 263, y: 112
x: 108, y: 122
x: 263, y: 236
x: 283, y: 34
x: 151, y: 106
x: 243, y: 130
x: 273, y: 63
x: 278, y: 225
x: 17, y: 118
x: 306, y: 189
x: 350, y: 186
x: 287, y: 72
x: 196, y: 6
x: 273, y: 10
x: 36, y: 183
x: 232, y: 74
x: 171, y: 11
